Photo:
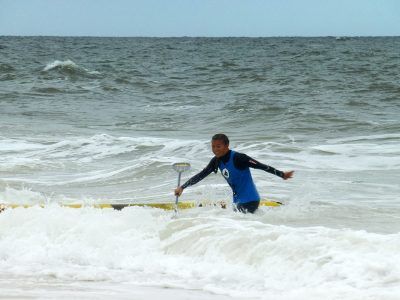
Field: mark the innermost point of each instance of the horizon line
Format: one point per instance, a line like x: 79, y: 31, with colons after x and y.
x: 200, y: 36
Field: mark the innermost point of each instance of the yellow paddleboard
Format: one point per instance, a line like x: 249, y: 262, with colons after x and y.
x: 161, y: 205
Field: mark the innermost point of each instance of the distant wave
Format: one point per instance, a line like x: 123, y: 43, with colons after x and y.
x: 4, y: 68
x: 60, y: 64
x: 6, y: 72
x: 49, y: 90
x: 68, y: 67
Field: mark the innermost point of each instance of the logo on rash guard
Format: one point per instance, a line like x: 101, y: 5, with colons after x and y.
x: 225, y: 173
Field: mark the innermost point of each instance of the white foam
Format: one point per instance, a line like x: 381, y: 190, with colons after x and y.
x: 339, y: 156
x: 23, y: 195
x: 116, y: 168
x: 58, y: 63
x: 209, y: 250
x: 69, y: 64
x: 98, y: 146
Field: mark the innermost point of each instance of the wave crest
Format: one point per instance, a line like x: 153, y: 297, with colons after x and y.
x: 68, y: 67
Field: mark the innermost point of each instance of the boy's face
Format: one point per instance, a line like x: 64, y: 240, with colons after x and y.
x: 219, y: 148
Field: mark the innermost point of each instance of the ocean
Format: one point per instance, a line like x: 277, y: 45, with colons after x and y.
x: 101, y: 120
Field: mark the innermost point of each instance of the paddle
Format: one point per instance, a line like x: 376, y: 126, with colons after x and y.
x: 180, y: 168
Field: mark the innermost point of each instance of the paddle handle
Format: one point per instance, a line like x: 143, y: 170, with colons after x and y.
x: 179, y: 184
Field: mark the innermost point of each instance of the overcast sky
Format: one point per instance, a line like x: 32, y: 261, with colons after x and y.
x: 200, y: 17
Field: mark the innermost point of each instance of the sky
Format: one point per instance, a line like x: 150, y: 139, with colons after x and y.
x: 211, y: 18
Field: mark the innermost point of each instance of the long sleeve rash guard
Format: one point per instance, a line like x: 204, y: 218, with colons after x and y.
x: 241, y: 161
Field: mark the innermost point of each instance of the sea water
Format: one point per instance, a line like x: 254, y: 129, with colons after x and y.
x: 101, y: 120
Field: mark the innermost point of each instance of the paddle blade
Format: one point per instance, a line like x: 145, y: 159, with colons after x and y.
x: 181, y: 167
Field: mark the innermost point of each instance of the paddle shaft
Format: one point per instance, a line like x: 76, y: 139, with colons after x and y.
x: 179, y: 184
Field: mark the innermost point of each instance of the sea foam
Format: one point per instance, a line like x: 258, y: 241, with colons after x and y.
x: 220, y: 252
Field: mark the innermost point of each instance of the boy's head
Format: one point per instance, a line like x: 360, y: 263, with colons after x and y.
x: 220, y: 144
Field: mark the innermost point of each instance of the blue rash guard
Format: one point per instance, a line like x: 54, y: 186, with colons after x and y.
x: 239, y: 180
x: 237, y: 166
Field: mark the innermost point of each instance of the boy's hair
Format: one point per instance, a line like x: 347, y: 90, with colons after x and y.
x: 221, y: 137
